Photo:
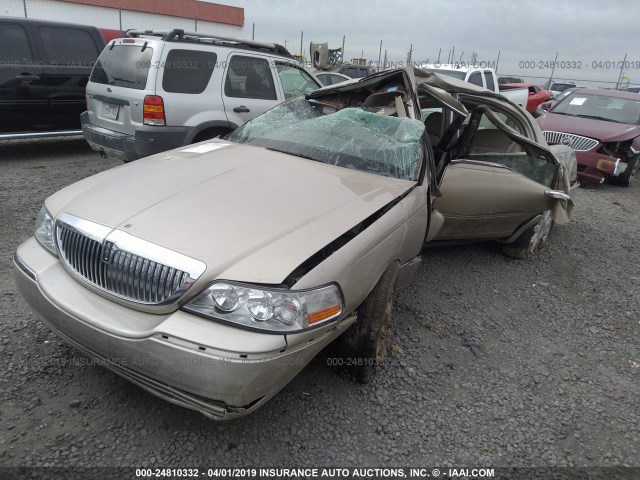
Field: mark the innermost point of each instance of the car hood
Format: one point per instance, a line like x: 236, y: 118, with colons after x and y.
x: 599, y: 129
x: 250, y: 214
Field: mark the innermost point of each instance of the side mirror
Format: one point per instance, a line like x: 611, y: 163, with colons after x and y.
x: 539, y: 111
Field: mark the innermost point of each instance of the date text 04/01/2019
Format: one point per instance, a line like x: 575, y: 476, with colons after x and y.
x: 578, y: 64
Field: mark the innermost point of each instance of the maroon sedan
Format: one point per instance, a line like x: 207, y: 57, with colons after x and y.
x: 603, y: 127
x: 537, y: 94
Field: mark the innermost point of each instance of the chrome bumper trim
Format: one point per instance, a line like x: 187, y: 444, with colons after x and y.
x: 23, y: 266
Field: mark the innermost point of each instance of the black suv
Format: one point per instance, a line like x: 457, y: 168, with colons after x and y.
x: 44, y: 68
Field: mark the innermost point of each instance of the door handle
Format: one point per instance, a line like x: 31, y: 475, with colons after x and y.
x: 241, y: 109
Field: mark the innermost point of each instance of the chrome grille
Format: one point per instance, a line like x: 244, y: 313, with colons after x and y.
x: 117, y: 271
x: 577, y: 142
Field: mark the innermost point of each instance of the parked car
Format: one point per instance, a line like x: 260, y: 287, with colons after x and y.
x: 558, y: 87
x: 153, y: 91
x: 632, y: 89
x: 354, y: 71
x: 482, y: 77
x: 603, y: 127
x: 44, y: 68
x: 210, y: 275
x: 507, y: 79
x: 331, y: 78
x: 537, y: 94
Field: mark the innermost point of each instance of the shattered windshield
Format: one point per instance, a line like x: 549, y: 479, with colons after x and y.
x: 359, y: 138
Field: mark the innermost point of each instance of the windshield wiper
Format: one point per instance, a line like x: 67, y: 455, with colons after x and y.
x: 595, y: 117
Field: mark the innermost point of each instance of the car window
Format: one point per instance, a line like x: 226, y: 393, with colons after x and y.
x: 14, y: 45
x: 492, y: 144
x: 68, y: 46
x: 295, y: 81
x: 600, y: 107
x: 350, y: 72
x: 187, y: 71
x: 324, y: 79
x: 476, y: 79
x: 488, y: 78
x: 249, y: 77
x: 351, y: 137
x: 123, y: 66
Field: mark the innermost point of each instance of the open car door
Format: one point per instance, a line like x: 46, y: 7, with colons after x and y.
x: 495, y: 183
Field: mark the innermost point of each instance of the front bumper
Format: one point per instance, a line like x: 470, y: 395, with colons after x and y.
x: 218, y: 370
x: 596, y: 167
x: 148, y: 140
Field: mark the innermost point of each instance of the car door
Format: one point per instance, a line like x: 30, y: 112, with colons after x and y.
x: 493, y: 181
x: 249, y: 87
x: 69, y: 55
x: 23, y: 106
x: 496, y: 181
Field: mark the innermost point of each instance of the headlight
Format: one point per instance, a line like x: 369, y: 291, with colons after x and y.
x: 44, y: 230
x: 268, y: 309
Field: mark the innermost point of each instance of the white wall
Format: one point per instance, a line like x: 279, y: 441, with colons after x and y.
x: 102, y: 17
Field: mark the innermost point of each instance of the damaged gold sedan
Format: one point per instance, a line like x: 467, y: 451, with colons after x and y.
x: 211, y: 275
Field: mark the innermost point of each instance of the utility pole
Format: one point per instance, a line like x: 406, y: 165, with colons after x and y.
x: 343, y: 40
x: 196, y: 23
x: 379, y: 55
x: 553, y: 69
x: 439, y: 52
x: 497, y: 61
x: 120, y: 17
x: 24, y: 4
x: 301, y: 39
x: 621, y: 72
x: 409, y: 54
x: 253, y: 31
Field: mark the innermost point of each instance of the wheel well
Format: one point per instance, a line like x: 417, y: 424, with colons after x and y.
x: 209, y: 133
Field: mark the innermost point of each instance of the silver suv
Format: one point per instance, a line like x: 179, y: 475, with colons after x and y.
x: 154, y: 91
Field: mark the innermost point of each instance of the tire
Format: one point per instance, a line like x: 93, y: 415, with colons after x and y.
x: 532, y: 240
x: 209, y: 134
x: 625, y: 179
x: 364, y: 345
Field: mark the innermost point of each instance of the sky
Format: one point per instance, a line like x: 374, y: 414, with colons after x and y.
x: 591, y: 37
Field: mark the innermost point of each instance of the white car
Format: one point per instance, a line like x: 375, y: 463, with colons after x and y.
x: 331, y: 78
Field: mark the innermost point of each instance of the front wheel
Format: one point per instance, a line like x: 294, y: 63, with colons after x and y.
x: 364, y: 345
x: 532, y: 240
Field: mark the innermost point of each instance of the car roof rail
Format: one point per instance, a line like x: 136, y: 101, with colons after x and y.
x: 179, y: 35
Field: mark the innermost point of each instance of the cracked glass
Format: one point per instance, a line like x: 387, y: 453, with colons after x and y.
x: 355, y: 137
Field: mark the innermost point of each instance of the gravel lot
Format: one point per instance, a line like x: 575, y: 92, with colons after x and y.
x: 555, y: 383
